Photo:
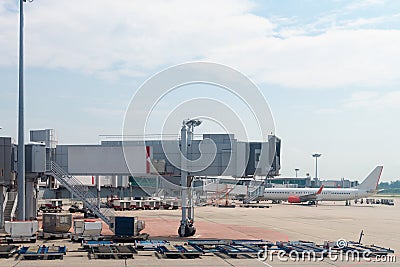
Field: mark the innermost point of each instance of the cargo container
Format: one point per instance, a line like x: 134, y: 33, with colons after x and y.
x: 166, y: 205
x: 175, y: 205
x: 57, y: 222
x: 127, y: 226
x: 120, y: 204
x: 116, y: 203
x: 87, y: 227
x: 151, y: 204
x: 125, y: 204
x: 138, y: 204
x: 132, y: 204
x: 148, y: 204
x: 21, y: 231
x: 157, y: 204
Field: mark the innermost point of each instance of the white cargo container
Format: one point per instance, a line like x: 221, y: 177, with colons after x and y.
x: 157, y: 204
x: 137, y: 204
x: 125, y: 204
x: 86, y: 230
x: 117, y: 204
x: 120, y: 204
x: 132, y: 204
x: 87, y: 227
x: 148, y: 204
x: 21, y: 231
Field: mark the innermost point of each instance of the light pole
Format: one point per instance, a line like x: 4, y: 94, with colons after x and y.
x: 186, y: 227
x: 316, y: 156
x: 296, y: 170
x: 21, y: 142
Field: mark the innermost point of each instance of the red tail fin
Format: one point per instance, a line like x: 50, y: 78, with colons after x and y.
x: 320, y: 190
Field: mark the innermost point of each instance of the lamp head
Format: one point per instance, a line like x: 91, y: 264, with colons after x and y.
x: 193, y: 122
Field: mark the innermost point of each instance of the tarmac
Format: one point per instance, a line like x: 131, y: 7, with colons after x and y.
x: 281, y: 222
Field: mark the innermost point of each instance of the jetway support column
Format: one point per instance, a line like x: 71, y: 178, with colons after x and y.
x: 186, y: 227
x: 98, y: 190
x: 183, y: 180
x: 30, y: 209
x: 2, y: 197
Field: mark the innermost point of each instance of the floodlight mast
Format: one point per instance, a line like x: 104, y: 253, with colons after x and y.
x: 186, y: 227
x: 316, y: 156
x: 21, y: 142
x: 296, y: 170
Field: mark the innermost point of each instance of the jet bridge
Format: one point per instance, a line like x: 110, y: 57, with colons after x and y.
x: 153, y: 158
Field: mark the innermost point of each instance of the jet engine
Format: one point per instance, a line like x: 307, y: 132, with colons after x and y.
x: 294, y: 199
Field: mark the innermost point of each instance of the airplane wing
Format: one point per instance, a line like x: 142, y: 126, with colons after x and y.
x: 312, y: 197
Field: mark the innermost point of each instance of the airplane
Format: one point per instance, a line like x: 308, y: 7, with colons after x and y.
x: 367, y: 188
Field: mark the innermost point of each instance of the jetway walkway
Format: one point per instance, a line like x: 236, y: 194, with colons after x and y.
x: 77, y: 188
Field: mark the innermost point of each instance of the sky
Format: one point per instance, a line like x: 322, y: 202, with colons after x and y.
x: 330, y: 70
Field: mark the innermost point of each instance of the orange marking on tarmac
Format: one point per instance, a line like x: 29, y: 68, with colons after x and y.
x: 169, y: 228
x: 161, y: 227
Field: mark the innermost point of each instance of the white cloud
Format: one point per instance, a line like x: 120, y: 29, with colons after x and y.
x: 374, y: 100
x: 359, y: 4
x: 94, y: 36
x: 119, y: 38
x: 367, y: 58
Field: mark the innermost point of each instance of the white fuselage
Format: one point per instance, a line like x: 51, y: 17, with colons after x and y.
x: 328, y: 194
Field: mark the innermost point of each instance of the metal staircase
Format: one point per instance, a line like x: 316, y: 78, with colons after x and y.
x: 9, y: 208
x: 77, y: 188
x: 253, y: 195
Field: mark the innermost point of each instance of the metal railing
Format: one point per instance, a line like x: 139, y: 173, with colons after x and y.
x: 76, y: 187
x: 258, y: 192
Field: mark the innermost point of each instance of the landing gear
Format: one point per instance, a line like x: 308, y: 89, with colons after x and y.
x: 187, y: 229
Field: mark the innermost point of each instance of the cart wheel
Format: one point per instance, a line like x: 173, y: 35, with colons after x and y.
x: 189, y: 231
x: 193, y: 231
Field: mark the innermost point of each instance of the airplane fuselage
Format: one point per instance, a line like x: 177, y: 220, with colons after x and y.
x: 328, y: 194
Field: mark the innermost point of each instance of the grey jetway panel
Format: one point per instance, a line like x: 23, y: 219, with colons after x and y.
x: 103, y: 160
x: 242, y: 157
x: 264, y: 163
x: 5, y: 160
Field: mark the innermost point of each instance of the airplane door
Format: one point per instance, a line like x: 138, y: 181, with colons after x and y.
x: 356, y: 195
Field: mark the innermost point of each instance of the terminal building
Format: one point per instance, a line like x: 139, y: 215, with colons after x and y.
x: 304, y: 182
x: 290, y: 182
x: 343, y: 183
